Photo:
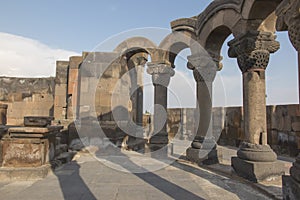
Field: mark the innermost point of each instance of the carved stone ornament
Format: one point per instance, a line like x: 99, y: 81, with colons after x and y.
x: 203, y: 66
x: 253, y: 49
x: 288, y: 18
x: 161, y: 73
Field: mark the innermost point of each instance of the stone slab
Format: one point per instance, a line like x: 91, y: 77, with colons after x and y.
x: 25, y: 173
x: 256, y: 171
x: 206, y: 157
x: 290, y: 188
x: 37, y: 121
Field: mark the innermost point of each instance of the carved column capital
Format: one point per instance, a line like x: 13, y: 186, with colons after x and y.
x: 161, y: 73
x: 139, y: 60
x: 203, y: 66
x: 253, y: 49
x: 288, y: 17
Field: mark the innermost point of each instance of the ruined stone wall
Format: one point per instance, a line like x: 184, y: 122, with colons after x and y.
x: 181, y: 123
x: 26, y: 97
x: 283, y: 127
x: 283, y: 122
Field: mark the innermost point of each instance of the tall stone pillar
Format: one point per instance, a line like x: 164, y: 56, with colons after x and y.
x: 203, y: 148
x: 61, y: 90
x: 255, y: 159
x: 288, y: 16
x: 161, y: 74
x: 136, y: 71
x: 73, y: 76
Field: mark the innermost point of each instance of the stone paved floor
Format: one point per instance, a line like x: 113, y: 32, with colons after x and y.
x: 87, y: 178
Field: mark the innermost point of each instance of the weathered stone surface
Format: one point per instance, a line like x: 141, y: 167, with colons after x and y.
x: 27, y: 96
x: 37, y: 121
x: 61, y: 72
x: 256, y: 171
x: 290, y: 188
x: 24, y: 173
x: 257, y: 153
x: 29, y: 146
x: 204, y: 156
x: 3, y: 114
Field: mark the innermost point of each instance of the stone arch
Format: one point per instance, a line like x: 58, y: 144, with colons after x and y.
x: 259, y: 15
x: 218, y: 13
x: 135, y: 45
x: 174, y: 43
x: 258, y: 10
x: 183, y: 36
x: 216, y: 23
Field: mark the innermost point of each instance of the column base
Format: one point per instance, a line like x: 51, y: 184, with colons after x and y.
x: 290, y: 188
x: 203, y: 156
x: 256, y: 162
x: 256, y: 171
x: 136, y: 144
x: 159, y: 151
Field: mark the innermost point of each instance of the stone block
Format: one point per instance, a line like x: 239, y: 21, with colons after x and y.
x: 273, y: 138
x: 3, y: 114
x: 60, y: 101
x: 290, y: 188
x: 61, y: 90
x: 287, y: 120
x: 84, y: 84
x: 296, y: 126
x: 25, y: 173
x: 37, y: 121
x: 257, y: 171
x: 206, y: 157
x: 75, y: 61
x: 61, y: 72
x: 293, y: 110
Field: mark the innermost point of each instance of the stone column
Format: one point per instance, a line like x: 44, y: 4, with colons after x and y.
x: 203, y: 148
x: 288, y: 16
x: 161, y: 74
x: 256, y: 160
x: 136, y: 71
x: 3, y: 114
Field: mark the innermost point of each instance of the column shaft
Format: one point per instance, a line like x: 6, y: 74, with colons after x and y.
x: 160, y: 98
x: 161, y: 74
x: 205, y: 107
x: 254, y: 98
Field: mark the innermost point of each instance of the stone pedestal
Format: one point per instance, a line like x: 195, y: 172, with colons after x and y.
x: 27, y: 152
x: 202, y: 156
x: 291, y: 184
x: 3, y: 114
x: 256, y: 171
x: 256, y: 162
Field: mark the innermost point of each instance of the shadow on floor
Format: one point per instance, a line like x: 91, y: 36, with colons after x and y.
x: 72, y: 185
x: 226, y: 183
x: 172, y: 190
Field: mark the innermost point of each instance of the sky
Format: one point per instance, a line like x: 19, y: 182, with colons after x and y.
x: 34, y: 34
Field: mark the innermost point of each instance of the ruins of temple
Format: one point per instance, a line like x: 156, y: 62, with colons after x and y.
x: 92, y: 89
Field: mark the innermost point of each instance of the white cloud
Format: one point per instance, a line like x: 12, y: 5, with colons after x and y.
x: 24, y: 57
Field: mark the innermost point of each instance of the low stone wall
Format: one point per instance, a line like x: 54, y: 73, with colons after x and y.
x: 283, y: 126
x: 181, y: 122
x: 26, y: 97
